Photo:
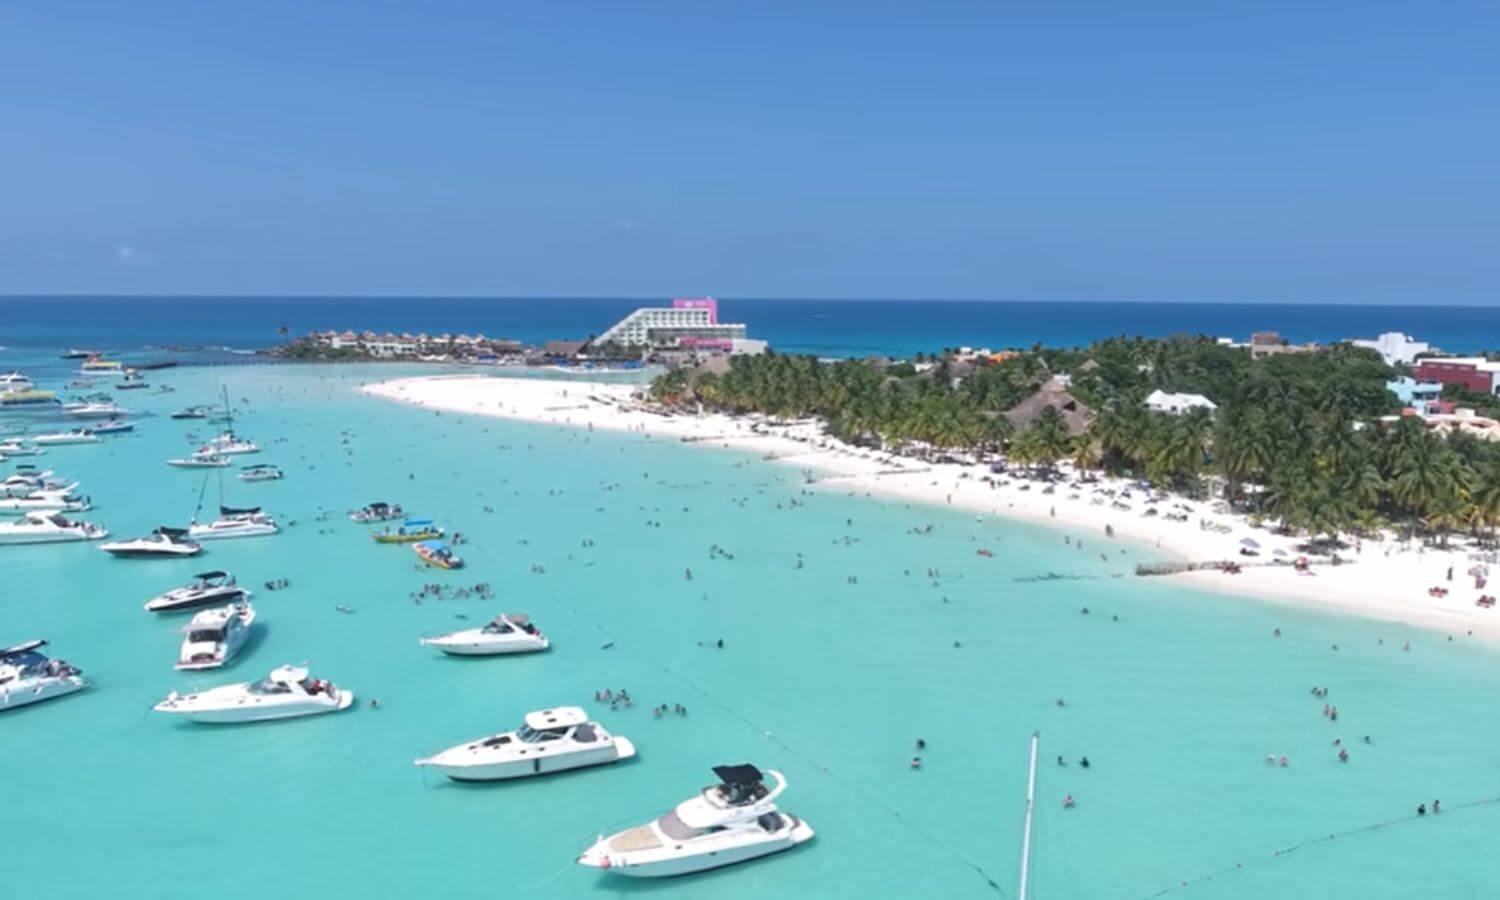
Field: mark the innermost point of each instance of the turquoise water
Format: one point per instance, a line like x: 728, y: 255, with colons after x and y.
x: 1176, y: 703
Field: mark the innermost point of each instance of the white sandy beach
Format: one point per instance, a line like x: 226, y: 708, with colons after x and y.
x: 1385, y: 579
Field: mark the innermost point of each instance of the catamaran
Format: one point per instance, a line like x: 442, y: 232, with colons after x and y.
x: 234, y: 523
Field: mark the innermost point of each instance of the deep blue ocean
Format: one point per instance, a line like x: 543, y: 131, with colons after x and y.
x: 822, y: 327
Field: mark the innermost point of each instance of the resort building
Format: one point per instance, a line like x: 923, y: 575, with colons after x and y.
x: 1270, y: 343
x: 1395, y: 348
x: 1177, y: 404
x: 1473, y: 372
x: 1421, y: 397
x: 687, y: 323
x: 1075, y: 415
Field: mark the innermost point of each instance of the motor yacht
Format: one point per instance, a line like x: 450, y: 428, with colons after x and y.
x: 27, y: 480
x: 234, y: 523
x: 133, y: 381
x: 94, y: 409
x: 409, y: 532
x: 438, y: 555
x: 288, y: 692
x: 228, y: 444
x: 49, y: 528
x: 27, y: 676
x: 260, y: 473
x: 549, y: 740
x: 60, y: 438
x: 192, y: 412
x: 215, y: 636
x: 377, y: 512
x: 43, y: 502
x: 19, y: 447
x: 15, y: 381
x: 206, y: 589
x: 163, y: 542
x: 200, y: 460
x: 726, y: 823
x: 75, y: 353
x: 113, y: 426
x: 506, y: 633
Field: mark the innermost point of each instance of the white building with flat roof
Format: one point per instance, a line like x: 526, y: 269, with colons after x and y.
x: 1177, y: 404
x: 1395, y: 347
x: 690, y: 324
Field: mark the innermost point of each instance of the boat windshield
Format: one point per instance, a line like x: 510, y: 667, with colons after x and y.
x: 206, y: 636
x: 533, y: 736
x: 678, y: 830
x: 499, y: 626
x: 267, y: 686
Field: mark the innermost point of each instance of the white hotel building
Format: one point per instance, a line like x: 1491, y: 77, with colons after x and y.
x: 688, y: 324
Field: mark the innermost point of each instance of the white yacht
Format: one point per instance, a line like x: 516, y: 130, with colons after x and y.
x: 15, y: 381
x: 550, y: 740
x: 113, y: 426
x: 163, y: 542
x: 200, y: 460
x: 43, y: 502
x: 229, y: 444
x: 206, y: 589
x: 263, y: 472
x: 19, y: 447
x: 730, y: 822
x: 61, y: 438
x: 286, y: 693
x: 215, y: 636
x: 27, y: 480
x: 49, y: 528
x: 234, y: 523
x: 27, y: 676
x: 377, y: 512
x: 94, y: 409
x: 506, y: 633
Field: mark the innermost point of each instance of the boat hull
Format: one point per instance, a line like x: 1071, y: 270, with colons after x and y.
x: 53, y: 538
x: 666, y: 862
x: 239, y: 715
x: 508, y: 770
x: 51, y: 689
x: 207, y: 534
x: 462, y: 647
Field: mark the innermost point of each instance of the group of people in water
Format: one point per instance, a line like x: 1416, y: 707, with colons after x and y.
x: 437, y: 591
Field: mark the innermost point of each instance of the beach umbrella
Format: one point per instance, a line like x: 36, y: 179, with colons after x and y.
x: 1252, y: 543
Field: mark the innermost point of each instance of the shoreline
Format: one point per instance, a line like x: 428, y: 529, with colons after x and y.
x: 1384, y: 580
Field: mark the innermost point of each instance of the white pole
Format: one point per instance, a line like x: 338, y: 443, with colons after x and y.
x: 1030, y: 805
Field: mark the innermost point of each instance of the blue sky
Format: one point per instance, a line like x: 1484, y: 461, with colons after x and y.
x: 1297, y: 152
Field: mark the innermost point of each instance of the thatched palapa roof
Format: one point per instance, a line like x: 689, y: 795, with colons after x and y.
x: 1075, y: 415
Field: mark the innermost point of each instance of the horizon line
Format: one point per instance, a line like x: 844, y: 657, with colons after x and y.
x: 663, y: 297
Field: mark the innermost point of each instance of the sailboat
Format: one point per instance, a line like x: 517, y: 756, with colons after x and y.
x: 233, y: 522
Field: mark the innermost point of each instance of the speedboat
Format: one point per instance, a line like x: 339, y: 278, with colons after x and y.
x: 550, y: 740
x: 43, y: 502
x: 206, y: 589
x: 18, y: 447
x: 27, y: 676
x: 94, y: 409
x: 726, y: 823
x: 27, y: 480
x: 234, y: 523
x: 59, y: 438
x: 229, y: 443
x: 410, y: 531
x: 506, y: 633
x: 133, y: 381
x: 49, y: 528
x: 215, y: 636
x: 377, y: 512
x: 113, y: 426
x: 162, y: 542
x: 286, y: 693
x: 75, y: 353
x: 260, y: 473
x: 192, y: 412
x: 200, y: 460
x: 438, y: 555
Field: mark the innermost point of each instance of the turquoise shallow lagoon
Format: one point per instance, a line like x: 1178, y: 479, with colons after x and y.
x: 1176, y: 696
